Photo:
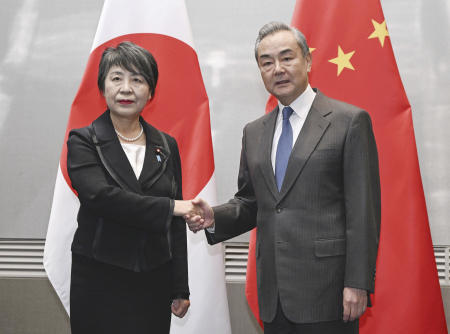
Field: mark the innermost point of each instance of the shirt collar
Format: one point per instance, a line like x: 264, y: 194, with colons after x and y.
x: 301, y: 104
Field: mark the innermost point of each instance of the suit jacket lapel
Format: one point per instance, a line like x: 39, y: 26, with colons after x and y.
x: 266, y: 149
x: 154, y: 147
x: 113, y: 153
x: 312, y: 131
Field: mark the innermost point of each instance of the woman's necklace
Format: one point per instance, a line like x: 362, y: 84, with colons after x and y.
x: 131, y: 139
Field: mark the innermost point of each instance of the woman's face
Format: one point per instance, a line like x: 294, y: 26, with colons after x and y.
x: 126, y: 92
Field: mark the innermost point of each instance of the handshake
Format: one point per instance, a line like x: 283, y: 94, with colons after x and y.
x: 197, y: 213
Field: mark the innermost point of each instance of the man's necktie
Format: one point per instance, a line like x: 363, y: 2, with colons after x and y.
x: 284, y: 147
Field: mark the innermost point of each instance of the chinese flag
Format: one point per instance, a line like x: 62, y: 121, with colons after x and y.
x: 353, y: 61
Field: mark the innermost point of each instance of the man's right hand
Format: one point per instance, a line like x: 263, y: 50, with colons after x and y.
x: 197, y: 222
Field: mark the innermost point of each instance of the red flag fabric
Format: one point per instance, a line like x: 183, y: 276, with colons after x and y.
x: 251, y: 290
x: 353, y: 61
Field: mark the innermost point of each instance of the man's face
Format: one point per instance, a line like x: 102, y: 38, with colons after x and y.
x: 283, y: 68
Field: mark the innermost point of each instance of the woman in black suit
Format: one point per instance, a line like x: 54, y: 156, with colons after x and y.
x: 129, y: 258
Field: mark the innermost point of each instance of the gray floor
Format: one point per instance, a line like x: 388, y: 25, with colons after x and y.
x: 30, y: 306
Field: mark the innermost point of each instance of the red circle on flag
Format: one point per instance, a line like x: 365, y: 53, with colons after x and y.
x: 180, y: 106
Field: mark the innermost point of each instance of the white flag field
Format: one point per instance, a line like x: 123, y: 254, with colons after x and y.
x: 181, y: 108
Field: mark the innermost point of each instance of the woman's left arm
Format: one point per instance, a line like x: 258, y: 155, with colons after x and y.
x: 180, y: 288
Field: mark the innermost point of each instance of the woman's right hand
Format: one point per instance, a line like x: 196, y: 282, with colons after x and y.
x: 197, y: 222
x: 182, y: 208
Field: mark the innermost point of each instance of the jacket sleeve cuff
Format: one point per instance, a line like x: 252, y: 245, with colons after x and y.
x: 180, y: 295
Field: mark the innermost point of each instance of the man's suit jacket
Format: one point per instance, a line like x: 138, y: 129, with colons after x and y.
x: 320, y: 232
x: 122, y: 220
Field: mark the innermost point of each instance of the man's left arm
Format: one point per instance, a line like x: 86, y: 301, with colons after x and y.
x: 363, y: 213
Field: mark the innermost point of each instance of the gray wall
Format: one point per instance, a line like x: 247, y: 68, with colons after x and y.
x: 44, y: 49
x: 44, y: 46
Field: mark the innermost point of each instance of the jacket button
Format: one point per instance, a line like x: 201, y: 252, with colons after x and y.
x: 278, y: 210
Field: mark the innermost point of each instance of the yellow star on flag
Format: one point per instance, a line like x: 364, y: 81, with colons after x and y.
x: 342, y: 60
x: 311, y: 49
x: 380, y: 31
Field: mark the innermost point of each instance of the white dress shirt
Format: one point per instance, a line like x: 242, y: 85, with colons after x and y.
x: 301, y: 106
x: 135, y: 154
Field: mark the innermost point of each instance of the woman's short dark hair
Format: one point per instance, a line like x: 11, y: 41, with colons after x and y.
x: 131, y: 57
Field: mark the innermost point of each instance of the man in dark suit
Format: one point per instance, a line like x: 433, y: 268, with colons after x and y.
x: 309, y: 181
